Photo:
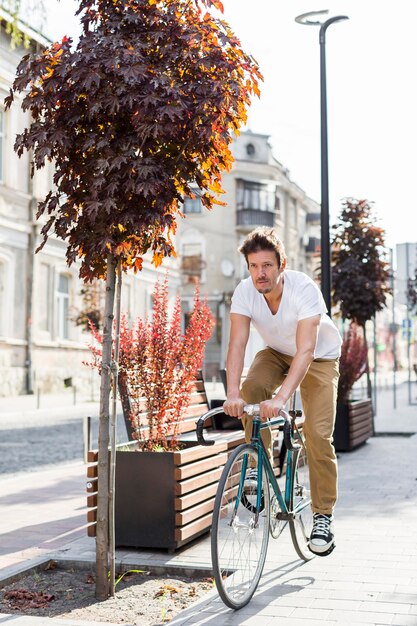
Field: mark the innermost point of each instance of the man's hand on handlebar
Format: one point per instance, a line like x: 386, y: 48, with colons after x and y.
x: 234, y: 407
x: 269, y: 409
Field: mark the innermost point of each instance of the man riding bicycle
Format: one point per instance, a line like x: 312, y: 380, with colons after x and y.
x: 303, y: 347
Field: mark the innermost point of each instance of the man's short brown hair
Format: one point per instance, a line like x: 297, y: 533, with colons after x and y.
x: 263, y: 238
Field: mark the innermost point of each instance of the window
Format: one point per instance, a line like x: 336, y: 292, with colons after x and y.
x: 256, y: 196
x: 292, y: 214
x: 192, y: 205
x: 192, y: 259
x: 3, y: 298
x: 7, y: 281
x: 2, y: 147
x: 62, y: 301
x: 45, y: 297
x: 302, y: 226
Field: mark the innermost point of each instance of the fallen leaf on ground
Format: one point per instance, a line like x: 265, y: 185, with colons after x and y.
x: 19, y: 599
x: 166, y: 589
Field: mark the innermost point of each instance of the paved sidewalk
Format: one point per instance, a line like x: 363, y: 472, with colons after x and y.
x: 39, y: 513
x: 371, y: 578
x: 403, y: 418
x: 33, y: 405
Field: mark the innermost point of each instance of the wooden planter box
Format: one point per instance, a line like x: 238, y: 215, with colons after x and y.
x: 165, y: 499
x: 353, y: 424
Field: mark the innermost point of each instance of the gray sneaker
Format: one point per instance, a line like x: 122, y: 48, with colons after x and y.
x: 322, y: 537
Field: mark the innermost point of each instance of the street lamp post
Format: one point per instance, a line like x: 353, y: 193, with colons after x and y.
x: 325, y: 222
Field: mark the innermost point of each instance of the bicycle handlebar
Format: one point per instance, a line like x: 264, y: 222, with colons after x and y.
x: 252, y: 410
x: 199, y: 426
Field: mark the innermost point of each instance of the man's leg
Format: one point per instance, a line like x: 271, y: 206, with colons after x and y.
x: 264, y: 376
x: 319, y: 396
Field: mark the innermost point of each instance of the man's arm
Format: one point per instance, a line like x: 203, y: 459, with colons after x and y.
x: 306, y: 340
x: 239, y: 335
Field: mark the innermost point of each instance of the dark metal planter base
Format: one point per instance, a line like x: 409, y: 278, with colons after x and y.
x: 145, y: 494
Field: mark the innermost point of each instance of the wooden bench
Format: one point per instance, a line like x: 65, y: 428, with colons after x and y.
x: 197, y: 470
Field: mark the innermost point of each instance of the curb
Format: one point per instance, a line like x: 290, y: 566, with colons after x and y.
x: 16, y: 572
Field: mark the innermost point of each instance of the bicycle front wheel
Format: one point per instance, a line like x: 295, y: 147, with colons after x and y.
x: 240, y: 531
x: 302, y: 524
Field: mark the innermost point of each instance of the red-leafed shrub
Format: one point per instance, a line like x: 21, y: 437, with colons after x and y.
x: 158, y: 364
x: 353, y: 360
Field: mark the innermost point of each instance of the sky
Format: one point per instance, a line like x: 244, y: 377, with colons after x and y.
x: 371, y: 97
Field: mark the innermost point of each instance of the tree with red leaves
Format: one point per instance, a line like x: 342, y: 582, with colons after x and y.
x: 360, y: 272
x: 143, y: 108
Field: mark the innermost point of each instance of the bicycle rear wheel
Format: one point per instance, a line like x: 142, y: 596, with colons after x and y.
x: 240, y: 531
x: 301, y: 526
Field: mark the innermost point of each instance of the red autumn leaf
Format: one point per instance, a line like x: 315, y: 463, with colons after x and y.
x: 21, y: 599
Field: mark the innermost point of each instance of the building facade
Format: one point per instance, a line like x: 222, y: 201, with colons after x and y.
x: 258, y: 192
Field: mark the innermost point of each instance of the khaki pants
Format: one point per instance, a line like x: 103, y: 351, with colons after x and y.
x: 318, y: 395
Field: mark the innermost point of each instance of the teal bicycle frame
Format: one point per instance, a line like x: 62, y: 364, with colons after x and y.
x: 292, y: 448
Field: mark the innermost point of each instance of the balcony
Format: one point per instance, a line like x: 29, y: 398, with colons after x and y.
x: 313, y: 245
x: 248, y: 219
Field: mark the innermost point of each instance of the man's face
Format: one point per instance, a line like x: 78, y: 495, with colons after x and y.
x: 264, y: 270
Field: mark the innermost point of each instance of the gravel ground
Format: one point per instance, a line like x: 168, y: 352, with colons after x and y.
x: 141, y: 599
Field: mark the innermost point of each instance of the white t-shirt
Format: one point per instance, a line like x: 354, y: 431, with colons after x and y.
x: 301, y: 298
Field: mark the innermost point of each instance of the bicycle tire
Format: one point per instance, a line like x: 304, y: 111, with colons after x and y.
x: 302, y: 524
x: 239, y: 542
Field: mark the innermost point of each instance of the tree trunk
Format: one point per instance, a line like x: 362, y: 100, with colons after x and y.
x: 102, y: 537
x: 113, y: 430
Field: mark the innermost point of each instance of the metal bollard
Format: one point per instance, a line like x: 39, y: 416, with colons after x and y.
x: 86, y: 436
